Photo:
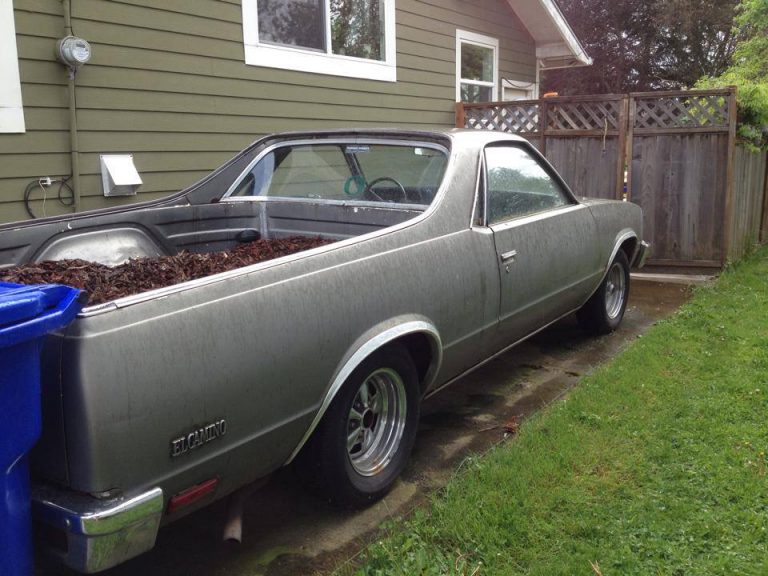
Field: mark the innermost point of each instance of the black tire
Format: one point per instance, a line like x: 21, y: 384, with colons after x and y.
x: 363, y: 473
x: 604, y: 311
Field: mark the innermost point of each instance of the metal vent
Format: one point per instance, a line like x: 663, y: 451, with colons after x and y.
x: 119, y: 176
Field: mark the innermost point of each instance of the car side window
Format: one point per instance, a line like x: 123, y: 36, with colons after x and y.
x: 517, y: 185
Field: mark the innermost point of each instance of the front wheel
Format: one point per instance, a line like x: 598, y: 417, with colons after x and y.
x: 604, y: 311
x: 363, y: 442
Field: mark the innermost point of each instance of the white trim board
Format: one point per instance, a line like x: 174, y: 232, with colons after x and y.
x: 466, y: 37
x: 11, y: 108
x: 301, y: 60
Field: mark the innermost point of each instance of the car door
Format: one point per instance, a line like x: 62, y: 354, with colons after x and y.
x: 545, y: 241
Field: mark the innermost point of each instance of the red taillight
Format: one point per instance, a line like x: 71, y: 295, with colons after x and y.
x: 192, y: 495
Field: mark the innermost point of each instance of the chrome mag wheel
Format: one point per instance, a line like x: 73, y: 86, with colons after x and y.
x: 376, y: 422
x: 363, y: 442
x: 615, y: 290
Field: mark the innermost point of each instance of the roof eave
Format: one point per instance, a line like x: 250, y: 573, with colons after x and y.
x: 557, y: 46
x: 560, y: 56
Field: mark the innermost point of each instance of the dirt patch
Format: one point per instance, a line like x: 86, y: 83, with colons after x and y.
x: 105, y: 283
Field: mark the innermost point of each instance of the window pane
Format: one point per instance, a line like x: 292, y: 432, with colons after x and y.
x: 310, y: 172
x: 409, y: 174
x: 357, y: 28
x: 339, y: 171
x: 476, y: 63
x: 293, y: 22
x: 474, y: 93
x: 518, y: 185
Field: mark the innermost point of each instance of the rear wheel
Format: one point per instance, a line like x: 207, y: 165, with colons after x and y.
x: 363, y: 442
x: 604, y: 311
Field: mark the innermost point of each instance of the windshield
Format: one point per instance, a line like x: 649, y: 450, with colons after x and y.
x: 376, y: 172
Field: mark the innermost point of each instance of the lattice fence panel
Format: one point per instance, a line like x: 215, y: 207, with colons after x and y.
x: 513, y: 118
x: 682, y: 111
x: 603, y: 115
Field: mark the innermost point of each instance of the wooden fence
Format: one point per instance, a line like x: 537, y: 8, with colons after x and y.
x: 673, y: 153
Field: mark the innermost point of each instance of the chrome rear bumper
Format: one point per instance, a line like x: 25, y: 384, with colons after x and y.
x: 641, y: 254
x: 99, y: 533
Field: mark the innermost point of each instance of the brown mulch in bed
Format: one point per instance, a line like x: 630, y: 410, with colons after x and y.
x: 104, y: 283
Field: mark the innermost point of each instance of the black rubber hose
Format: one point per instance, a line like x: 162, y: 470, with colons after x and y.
x: 64, y: 183
x: 65, y: 200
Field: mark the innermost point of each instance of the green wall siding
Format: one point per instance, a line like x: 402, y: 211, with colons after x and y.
x: 168, y: 83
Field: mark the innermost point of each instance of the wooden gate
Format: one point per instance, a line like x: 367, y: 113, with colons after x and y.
x: 680, y: 166
x: 673, y: 153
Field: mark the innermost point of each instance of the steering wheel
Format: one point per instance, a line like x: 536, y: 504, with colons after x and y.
x: 372, y: 183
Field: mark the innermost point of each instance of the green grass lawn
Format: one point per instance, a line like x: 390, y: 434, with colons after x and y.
x: 655, y: 464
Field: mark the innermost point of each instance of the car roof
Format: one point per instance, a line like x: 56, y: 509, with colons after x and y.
x: 467, y: 135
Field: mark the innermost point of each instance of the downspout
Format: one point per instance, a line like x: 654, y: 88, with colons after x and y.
x: 537, y: 91
x: 73, y: 138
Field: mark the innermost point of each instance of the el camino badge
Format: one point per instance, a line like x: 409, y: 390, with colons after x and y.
x: 198, y: 438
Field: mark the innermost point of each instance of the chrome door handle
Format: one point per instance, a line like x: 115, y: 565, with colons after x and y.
x: 508, y: 256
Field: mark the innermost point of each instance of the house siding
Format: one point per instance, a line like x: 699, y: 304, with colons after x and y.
x: 168, y: 83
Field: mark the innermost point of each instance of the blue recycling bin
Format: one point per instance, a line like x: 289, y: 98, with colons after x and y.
x: 27, y: 314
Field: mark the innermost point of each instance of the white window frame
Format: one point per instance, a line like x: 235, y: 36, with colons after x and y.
x: 11, y: 109
x: 466, y: 37
x: 305, y: 60
x: 531, y: 89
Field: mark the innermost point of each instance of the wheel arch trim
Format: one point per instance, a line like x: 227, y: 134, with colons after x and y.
x: 621, y: 238
x: 374, y: 340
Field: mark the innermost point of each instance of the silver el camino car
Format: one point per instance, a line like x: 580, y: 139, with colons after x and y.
x: 448, y: 249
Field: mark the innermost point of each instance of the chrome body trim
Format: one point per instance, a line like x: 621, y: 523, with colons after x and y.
x: 641, y: 254
x: 623, y: 236
x: 368, y: 348
x: 100, y: 533
x: 507, y: 256
x: 543, y: 215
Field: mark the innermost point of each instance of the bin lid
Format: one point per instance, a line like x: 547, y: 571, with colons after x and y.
x: 28, y: 312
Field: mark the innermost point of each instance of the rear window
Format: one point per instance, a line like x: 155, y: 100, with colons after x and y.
x: 375, y: 172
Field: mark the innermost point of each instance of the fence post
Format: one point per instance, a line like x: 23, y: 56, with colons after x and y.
x: 729, y: 175
x: 460, y: 116
x: 621, y: 153
x: 630, y: 147
x: 543, y: 112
